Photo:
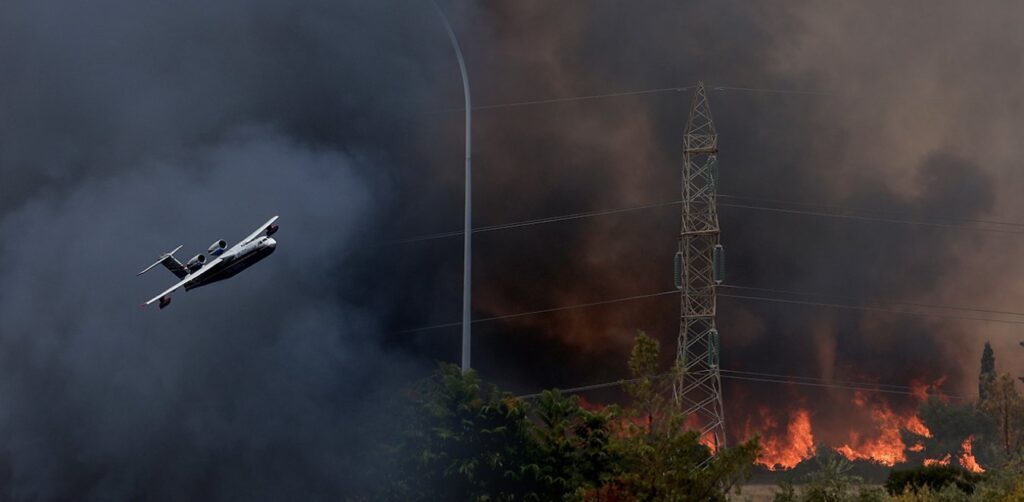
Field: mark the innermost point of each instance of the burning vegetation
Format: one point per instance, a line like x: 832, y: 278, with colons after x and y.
x: 893, y: 439
x: 466, y: 440
x: 785, y: 451
x: 921, y: 430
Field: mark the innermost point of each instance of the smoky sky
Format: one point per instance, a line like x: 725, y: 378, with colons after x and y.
x: 906, y: 116
x: 130, y: 128
x: 127, y: 128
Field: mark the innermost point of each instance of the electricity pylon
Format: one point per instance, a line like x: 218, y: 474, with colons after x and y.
x: 698, y: 385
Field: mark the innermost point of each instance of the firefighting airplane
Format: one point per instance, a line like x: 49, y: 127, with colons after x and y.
x: 226, y: 263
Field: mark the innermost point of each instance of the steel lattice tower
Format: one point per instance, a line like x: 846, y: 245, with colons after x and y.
x: 698, y: 386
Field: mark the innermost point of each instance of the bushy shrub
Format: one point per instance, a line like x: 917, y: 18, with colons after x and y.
x: 935, y: 478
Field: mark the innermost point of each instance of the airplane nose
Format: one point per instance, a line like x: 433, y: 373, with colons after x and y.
x: 270, y: 243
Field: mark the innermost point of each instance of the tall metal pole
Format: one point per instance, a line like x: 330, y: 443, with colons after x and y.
x: 698, y: 388
x: 467, y: 243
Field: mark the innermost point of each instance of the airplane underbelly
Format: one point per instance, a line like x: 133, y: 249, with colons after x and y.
x: 230, y: 269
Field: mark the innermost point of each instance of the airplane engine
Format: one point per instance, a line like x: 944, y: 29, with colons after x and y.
x: 196, y: 262
x: 217, y: 247
x: 272, y: 229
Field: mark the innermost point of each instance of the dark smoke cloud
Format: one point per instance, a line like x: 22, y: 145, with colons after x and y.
x: 128, y: 128
x: 897, y: 127
x: 246, y: 389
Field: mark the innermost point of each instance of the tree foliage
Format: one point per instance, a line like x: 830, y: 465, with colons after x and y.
x: 465, y: 441
x: 949, y: 424
x: 987, y: 375
x: 660, y: 458
x: 831, y: 481
x: 1005, y: 406
x: 934, y: 477
x: 468, y: 441
x: 572, y: 446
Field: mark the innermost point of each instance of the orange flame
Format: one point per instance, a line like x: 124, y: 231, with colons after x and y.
x: 888, y: 447
x: 967, y: 459
x: 940, y: 461
x: 916, y: 426
x: 922, y: 390
x: 789, y: 450
x: 589, y: 406
x: 708, y: 440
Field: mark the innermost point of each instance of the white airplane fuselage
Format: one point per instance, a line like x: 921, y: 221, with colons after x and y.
x: 235, y: 261
x: 227, y: 261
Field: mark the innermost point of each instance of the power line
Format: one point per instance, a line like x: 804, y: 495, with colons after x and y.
x: 769, y: 91
x: 577, y: 98
x: 869, y: 218
x: 875, y: 309
x: 773, y: 378
x: 956, y: 224
x: 545, y: 310
x: 869, y: 211
x: 538, y: 221
x: 583, y: 388
x: 868, y: 308
x: 638, y: 92
x: 867, y: 387
x: 819, y: 379
x: 890, y: 302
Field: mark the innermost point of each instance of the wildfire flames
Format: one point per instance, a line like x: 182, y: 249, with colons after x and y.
x: 794, y: 443
x: 887, y: 447
x: 791, y: 448
x: 967, y: 460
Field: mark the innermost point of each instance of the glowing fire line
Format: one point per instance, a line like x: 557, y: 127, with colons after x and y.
x: 796, y: 442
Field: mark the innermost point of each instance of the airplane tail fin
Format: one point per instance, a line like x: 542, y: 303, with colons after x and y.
x: 170, y: 262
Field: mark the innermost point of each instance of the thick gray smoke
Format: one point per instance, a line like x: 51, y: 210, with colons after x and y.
x: 906, y: 115
x: 128, y: 128
x: 229, y: 386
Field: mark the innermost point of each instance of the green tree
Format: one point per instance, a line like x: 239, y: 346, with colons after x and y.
x: 660, y: 458
x: 572, y: 444
x: 648, y: 387
x: 949, y: 425
x: 987, y: 375
x: 465, y: 441
x: 933, y: 477
x: 831, y: 481
x: 1006, y: 408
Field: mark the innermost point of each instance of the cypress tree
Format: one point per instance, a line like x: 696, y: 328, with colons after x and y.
x: 988, y: 372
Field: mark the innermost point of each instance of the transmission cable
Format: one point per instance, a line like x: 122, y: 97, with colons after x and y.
x: 889, y: 302
x: 545, y: 310
x: 869, y: 218
x: 818, y: 379
x: 538, y: 221
x: 638, y: 92
x: 869, y: 211
x: 868, y: 308
x: 786, y: 379
x: 961, y: 224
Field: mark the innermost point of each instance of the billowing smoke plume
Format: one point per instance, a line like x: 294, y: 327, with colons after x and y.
x: 905, y: 116
x: 129, y: 128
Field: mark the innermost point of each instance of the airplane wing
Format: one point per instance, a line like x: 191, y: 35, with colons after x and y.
x: 255, y: 233
x: 189, y: 277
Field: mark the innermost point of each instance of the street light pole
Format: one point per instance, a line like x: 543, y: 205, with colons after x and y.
x: 467, y: 246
